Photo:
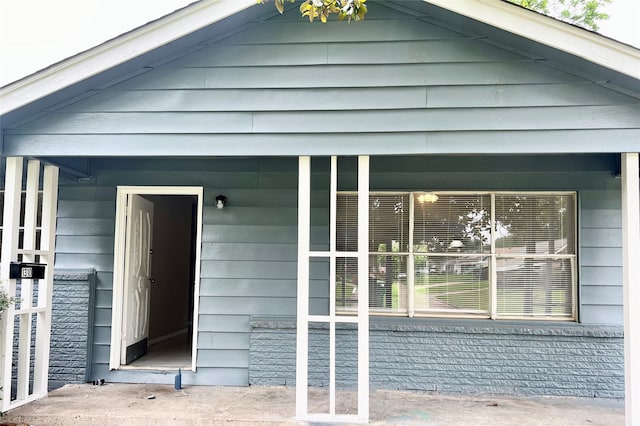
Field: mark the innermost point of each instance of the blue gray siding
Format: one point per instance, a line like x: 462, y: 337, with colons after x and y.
x: 249, y: 248
x: 600, y: 254
x: 247, y: 264
x: 278, y: 87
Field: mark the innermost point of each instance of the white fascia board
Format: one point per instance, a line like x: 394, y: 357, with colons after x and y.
x: 551, y: 32
x: 117, y: 51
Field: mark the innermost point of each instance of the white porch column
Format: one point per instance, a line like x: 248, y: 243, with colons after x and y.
x: 18, y: 345
x: 363, y: 287
x: 631, y: 283
x: 11, y: 223
x: 305, y: 254
x: 302, y: 334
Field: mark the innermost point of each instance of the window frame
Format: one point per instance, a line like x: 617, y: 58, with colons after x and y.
x: 492, y: 256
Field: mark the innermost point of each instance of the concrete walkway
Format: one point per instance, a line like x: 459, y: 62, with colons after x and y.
x: 122, y: 404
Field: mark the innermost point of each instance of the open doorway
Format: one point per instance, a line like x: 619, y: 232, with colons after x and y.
x: 155, y: 275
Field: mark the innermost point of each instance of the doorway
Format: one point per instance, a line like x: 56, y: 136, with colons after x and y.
x: 156, y: 271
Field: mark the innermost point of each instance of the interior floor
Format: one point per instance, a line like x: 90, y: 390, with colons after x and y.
x: 169, y: 354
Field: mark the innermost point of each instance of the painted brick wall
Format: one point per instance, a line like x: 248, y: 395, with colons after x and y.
x: 70, y: 324
x: 453, y: 356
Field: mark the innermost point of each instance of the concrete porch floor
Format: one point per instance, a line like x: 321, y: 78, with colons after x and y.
x: 124, y: 404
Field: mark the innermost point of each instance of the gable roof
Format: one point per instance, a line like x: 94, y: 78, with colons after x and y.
x: 594, y: 49
x: 551, y: 32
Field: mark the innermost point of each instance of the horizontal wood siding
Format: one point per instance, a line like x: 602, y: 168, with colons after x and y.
x: 393, y: 84
x: 376, y: 121
x: 347, y: 98
x: 249, y: 249
x: 601, y: 300
x: 249, y: 252
x: 85, y: 236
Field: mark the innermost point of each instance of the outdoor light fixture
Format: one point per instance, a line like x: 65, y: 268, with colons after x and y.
x: 221, y: 200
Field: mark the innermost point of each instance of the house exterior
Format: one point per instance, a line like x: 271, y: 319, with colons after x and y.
x: 472, y: 173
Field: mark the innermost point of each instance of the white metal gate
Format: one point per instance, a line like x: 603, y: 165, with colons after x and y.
x: 303, y: 317
x: 28, y: 235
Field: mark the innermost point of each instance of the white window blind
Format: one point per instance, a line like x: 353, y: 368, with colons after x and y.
x: 454, y: 233
x: 388, y: 248
x: 535, y: 250
x: 458, y: 249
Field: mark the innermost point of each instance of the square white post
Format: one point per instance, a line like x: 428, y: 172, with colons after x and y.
x: 333, y: 212
x: 26, y: 311
x: 361, y: 320
x: 26, y: 291
x: 363, y: 287
x: 302, y: 335
x: 631, y: 284
x: 45, y: 290
x: 11, y: 223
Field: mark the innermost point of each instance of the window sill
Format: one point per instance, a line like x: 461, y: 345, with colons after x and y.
x: 467, y: 326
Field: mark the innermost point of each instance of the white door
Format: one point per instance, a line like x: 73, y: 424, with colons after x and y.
x: 137, y: 280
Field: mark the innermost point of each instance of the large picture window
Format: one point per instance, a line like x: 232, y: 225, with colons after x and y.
x: 484, y: 254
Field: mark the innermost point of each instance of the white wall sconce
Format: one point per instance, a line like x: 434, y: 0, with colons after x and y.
x: 221, y: 200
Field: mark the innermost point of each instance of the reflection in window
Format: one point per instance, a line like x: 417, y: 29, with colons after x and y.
x: 499, y: 255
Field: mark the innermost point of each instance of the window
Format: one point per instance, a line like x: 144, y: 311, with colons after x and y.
x: 489, y: 254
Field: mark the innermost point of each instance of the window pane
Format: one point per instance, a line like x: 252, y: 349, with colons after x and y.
x: 535, y: 223
x: 346, y: 284
x: 535, y: 287
x: 387, y: 283
x: 388, y: 222
x: 347, y: 222
x: 452, y: 284
x: 531, y: 231
x: 452, y: 223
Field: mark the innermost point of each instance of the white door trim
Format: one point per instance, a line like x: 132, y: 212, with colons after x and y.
x: 123, y: 193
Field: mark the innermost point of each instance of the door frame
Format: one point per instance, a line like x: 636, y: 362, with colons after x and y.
x: 123, y: 193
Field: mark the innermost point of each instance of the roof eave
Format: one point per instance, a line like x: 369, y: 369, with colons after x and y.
x: 117, y: 51
x: 576, y: 41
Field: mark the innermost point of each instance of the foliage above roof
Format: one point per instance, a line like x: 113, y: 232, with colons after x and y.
x: 344, y: 9
x: 585, y: 14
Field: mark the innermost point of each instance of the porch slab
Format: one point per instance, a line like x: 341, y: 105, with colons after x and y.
x: 133, y: 404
